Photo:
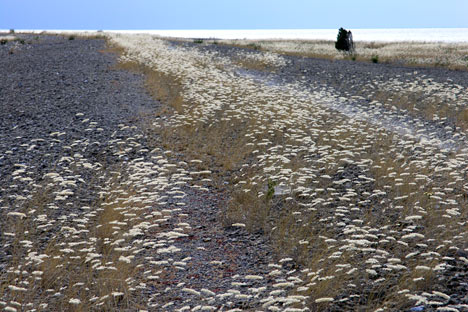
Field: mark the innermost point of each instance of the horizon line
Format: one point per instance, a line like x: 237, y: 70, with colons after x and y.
x: 213, y: 29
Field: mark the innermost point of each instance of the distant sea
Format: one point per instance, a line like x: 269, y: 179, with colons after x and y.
x: 403, y: 34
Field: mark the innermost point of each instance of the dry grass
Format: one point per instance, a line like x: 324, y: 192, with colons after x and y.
x: 309, y: 232
x: 449, y: 55
x: 421, y: 103
x: 77, y: 268
x: 438, y: 102
x: 369, y: 214
x: 163, y: 88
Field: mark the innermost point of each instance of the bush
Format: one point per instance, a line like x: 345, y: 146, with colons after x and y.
x: 271, y: 189
x: 344, y: 40
x: 71, y: 37
x: 198, y: 41
x: 254, y: 46
x: 375, y: 59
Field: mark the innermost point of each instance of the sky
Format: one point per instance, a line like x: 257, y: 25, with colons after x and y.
x: 231, y: 14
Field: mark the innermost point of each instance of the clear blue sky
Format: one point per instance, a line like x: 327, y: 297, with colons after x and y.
x: 231, y: 14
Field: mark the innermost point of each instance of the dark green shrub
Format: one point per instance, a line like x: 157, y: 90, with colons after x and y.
x: 344, y: 40
x: 375, y: 59
x: 3, y: 41
x: 198, y: 41
x: 71, y: 37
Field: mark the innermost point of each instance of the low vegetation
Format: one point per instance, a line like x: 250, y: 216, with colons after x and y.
x: 375, y: 218
x: 450, y: 55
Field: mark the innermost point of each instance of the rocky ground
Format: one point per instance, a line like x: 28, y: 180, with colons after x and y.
x: 75, y: 158
x: 60, y: 100
x: 363, y: 83
x: 359, y: 84
x: 63, y: 101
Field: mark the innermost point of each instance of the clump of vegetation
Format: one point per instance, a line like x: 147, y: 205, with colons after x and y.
x: 271, y: 190
x: 375, y: 59
x: 72, y: 37
x: 254, y: 46
x: 344, y: 40
x: 12, y: 31
x: 3, y: 41
x: 198, y: 41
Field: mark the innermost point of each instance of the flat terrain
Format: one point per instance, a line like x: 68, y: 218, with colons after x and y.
x: 72, y: 134
x: 207, y: 177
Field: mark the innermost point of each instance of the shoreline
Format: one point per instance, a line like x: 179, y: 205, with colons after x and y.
x: 450, y: 55
x: 368, y: 35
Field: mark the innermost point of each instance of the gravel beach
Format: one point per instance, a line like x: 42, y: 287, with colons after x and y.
x: 82, y: 189
x: 64, y: 108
